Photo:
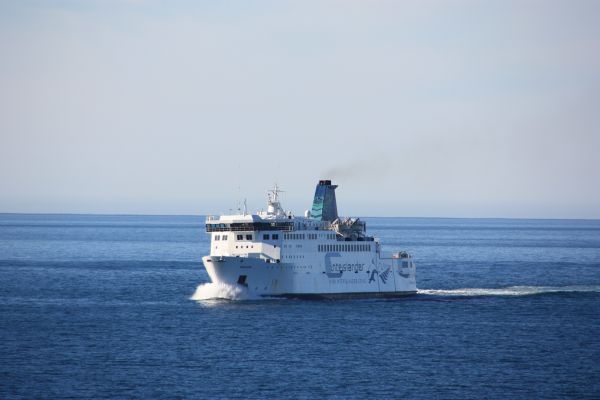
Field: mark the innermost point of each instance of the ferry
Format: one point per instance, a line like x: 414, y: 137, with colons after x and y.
x: 274, y: 253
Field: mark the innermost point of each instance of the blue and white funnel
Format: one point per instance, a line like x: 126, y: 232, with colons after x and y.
x: 324, y: 206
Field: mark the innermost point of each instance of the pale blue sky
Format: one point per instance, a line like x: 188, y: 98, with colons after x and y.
x: 424, y: 108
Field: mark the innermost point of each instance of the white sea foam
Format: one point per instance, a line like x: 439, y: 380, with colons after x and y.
x: 224, y: 291
x: 509, y: 291
x: 212, y: 291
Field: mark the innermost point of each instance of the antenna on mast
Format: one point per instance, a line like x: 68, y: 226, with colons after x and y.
x: 274, y: 193
x: 273, y: 206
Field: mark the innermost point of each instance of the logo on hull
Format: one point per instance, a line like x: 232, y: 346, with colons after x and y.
x: 329, y: 268
x: 337, y: 269
x: 384, y: 276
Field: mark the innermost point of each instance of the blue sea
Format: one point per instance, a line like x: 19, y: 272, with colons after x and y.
x: 99, y: 306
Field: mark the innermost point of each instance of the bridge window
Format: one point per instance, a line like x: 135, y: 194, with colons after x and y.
x: 275, y: 236
x: 217, y: 237
x: 240, y: 237
x: 248, y: 237
x: 265, y: 237
x: 224, y: 237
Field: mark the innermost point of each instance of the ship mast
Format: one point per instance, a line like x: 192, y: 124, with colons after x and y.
x: 273, y: 204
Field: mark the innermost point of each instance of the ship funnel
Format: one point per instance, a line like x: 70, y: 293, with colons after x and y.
x: 324, y: 206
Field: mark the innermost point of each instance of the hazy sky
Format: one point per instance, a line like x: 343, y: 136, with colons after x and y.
x: 424, y: 108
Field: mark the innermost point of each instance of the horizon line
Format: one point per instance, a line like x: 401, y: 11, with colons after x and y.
x: 371, y: 216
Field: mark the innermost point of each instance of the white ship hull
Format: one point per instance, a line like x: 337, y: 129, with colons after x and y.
x: 342, y: 277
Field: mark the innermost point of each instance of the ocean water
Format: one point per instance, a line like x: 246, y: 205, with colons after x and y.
x: 103, y: 307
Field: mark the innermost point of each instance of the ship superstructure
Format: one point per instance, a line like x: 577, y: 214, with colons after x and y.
x: 275, y: 253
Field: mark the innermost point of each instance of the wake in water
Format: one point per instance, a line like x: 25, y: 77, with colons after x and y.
x: 509, y: 291
x: 222, y: 291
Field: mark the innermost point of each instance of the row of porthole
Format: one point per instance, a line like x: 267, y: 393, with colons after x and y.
x: 302, y: 236
x: 249, y: 237
x: 343, y: 247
